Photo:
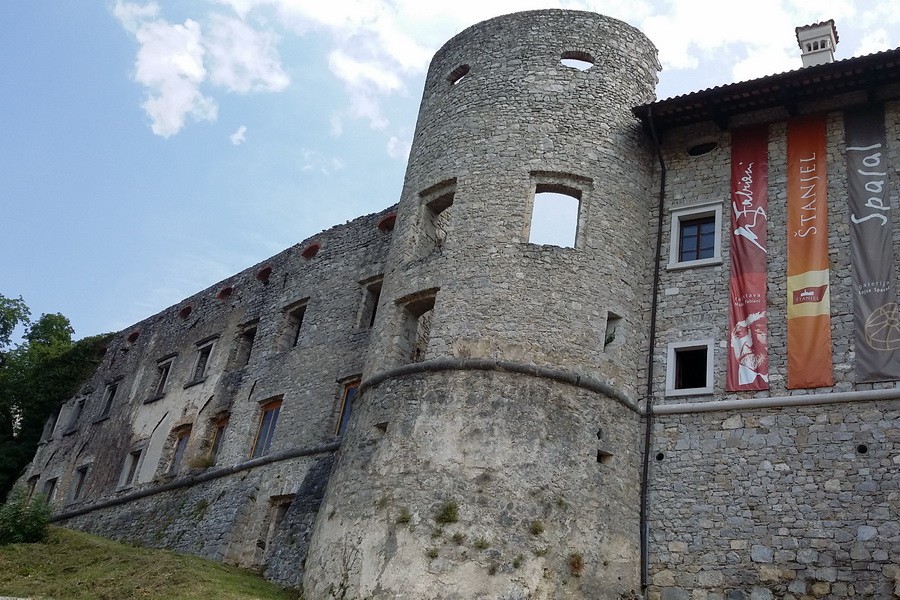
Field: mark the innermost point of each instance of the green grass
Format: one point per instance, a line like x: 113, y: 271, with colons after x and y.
x: 74, y: 565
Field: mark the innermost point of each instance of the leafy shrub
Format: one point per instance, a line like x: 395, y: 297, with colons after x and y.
x: 21, y: 520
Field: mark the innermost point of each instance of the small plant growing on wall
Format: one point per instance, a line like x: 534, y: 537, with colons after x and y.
x: 482, y: 544
x: 432, y: 553
x: 448, y: 513
x: 404, y: 516
x: 458, y: 538
x: 537, y: 528
x: 576, y: 564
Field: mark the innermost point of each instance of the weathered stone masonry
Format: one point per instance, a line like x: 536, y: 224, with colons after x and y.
x: 497, y: 389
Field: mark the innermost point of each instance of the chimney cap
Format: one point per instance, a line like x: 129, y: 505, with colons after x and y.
x: 834, y: 31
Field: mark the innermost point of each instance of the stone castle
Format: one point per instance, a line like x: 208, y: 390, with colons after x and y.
x: 429, y: 403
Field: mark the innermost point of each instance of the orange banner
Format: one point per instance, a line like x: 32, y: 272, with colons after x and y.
x: 808, y: 289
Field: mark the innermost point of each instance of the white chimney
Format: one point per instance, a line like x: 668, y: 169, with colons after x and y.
x: 817, y: 42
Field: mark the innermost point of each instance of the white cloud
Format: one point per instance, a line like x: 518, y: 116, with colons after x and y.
x: 241, y: 58
x: 398, y: 148
x: 132, y: 15
x: 337, y: 125
x: 175, y: 60
x: 312, y: 161
x: 363, y: 73
x: 874, y: 41
x: 170, y: 64
x: 376, y: 46
x: 237, y: 138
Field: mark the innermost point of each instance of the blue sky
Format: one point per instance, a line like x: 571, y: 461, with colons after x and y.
x: 152, y: 149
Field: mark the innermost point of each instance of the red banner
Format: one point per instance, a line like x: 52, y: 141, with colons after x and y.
x: 748, y: 359
x: 808, y: 290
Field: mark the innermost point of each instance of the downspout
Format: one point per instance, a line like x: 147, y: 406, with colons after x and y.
x: 648, y: 418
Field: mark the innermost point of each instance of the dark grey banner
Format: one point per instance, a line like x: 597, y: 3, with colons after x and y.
x: 876, y: 313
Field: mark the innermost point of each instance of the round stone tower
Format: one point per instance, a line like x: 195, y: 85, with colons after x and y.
x: 493, y: 448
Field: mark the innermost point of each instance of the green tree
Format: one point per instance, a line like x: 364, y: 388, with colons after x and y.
x: 13, y: 312
x: 36, y: 377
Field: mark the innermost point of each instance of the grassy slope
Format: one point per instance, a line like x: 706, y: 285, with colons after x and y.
x: 74, y: 565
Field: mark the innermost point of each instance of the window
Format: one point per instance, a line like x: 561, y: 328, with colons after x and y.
x: 436, y: 202
x: 612, y: 326
x: 32, y: 484
x: 163, y: 369
x: 294, y: 315
x: 109, y: 394
x: 132, y: 462
x: 554, y: 215
x: 75, y: 415
x: 457, y: 74
x: 182, y: 435
x: 80, y: 477
x: 555, y: 208
x: 418, y: 311
x: 696, y: 237
x: 689, y: 368
x: 51, y: 424
x: 204, y: 351
x: 49, y: 490
x: 575, y: 59
x: 246, y: 337
x: 220, y: 425
x: 371, y: 297
x: 267, y: 421
x: 349, y: 393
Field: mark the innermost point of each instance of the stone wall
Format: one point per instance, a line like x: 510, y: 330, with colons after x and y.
x: 769, y: 502
x: 307, y: 370
x: 790, y: 503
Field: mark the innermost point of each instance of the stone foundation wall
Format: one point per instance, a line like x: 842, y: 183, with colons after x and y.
x: 793, y: 503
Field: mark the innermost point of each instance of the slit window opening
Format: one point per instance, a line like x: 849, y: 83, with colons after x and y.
x: 80, y: 477
x: 267, y: 422
x: 203, y: 354
x: 49, y: 489
x: 131, y: 466
x: 218, y: 435
x: 371, y: 298
x: 612, y: 325
x: 108, y: 396
x: 554, y: 217
x: 181, y: 441
x: 162, y: 377
x: 76, y: 414
x: 350, y: 390
x: 245, y: 345
x: 294, y: 325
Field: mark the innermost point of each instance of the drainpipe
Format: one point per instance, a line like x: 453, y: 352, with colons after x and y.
x: 645, y: 471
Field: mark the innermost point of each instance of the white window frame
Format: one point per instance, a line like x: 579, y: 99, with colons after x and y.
x: 687, y: 213
x: 673, y: 348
